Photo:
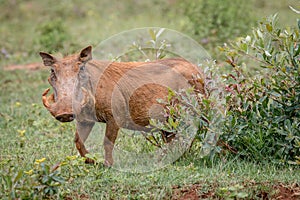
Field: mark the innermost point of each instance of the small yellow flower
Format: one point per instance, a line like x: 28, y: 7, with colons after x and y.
x: 29, y: 172
x: 18, y: 104
x: 39, y: 161
x: 71, y: 157
x: 63, y: 163
x: 21, y: 132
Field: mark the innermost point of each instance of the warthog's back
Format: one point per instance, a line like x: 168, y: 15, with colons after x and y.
x: 128, y: 91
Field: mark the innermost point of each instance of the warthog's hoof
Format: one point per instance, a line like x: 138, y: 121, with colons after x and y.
x: 107, y: 163
x: 89, y: 161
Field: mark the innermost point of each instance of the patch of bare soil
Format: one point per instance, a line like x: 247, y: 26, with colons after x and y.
x: 30, y: 66
x: 78, y: 196
x: 192, y: 192
x: 277, y: 191
x: 287, y: 192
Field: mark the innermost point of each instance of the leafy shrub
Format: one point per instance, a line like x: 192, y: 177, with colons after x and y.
x: 153, y: 49
x: 42, y: 181
x: 261, y: 118
x: 263, y: 121
x: 47, y: 180
x: 193, y: 117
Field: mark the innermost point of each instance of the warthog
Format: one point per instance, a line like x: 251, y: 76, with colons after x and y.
x: 120, y: 94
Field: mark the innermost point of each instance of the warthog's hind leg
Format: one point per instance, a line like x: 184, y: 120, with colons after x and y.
x: 111, y: 134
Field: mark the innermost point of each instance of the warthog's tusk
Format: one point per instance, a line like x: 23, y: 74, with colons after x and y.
x: 44, y: 98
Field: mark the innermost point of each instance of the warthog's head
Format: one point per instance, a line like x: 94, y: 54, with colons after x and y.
x: 66, y: 75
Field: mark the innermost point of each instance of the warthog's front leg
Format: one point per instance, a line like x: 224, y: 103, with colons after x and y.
x: 111, y: 134
x: 83, y: 130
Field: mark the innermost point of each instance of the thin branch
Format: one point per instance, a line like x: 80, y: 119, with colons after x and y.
x: 149, y: 140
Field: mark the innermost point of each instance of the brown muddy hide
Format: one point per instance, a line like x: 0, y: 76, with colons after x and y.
x: 69, y: 81
x: 121, y: 94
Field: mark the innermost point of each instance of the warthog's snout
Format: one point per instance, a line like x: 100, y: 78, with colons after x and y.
x: 61, y: 109
x: 65, y: 117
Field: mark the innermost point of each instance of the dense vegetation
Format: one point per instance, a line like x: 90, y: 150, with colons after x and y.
x: 259, y: 119
x: 254, y: 87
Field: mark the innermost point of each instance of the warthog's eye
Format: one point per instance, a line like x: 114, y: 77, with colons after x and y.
x: 52, y: 75
x: 81, y: 67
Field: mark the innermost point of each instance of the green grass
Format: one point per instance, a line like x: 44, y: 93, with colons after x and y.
x: 21, y: 110
x: 44, y: 137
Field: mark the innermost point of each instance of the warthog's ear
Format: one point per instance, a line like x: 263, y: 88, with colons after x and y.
x: 48, y: 59
x: 86, y: 54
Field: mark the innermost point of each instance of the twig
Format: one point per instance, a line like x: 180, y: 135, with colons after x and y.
x: 149, y: 140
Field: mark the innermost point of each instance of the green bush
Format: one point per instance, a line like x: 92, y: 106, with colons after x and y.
x: 258, y: 116
x: 263, y: 120
x: 42, y: 181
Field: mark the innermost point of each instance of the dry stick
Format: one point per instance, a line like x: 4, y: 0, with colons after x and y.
x: 149, y: 140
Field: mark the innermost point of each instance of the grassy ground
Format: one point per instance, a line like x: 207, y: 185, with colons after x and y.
x: 29, y: 133
x: 21, y: 111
